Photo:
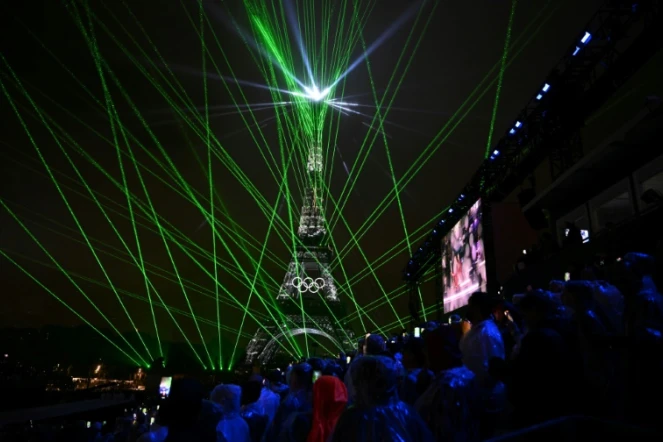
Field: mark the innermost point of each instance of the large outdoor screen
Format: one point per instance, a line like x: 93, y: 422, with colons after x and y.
x: 463, y: 260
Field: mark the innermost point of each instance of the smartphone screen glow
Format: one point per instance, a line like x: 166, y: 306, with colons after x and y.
x: 164, y: 386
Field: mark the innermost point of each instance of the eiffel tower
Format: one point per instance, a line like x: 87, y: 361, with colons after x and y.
x: 308, y: 285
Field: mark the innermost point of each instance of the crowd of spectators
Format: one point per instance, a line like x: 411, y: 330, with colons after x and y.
x: 582, y: 347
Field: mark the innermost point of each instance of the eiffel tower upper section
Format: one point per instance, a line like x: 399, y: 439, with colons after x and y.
x: 308, y: 276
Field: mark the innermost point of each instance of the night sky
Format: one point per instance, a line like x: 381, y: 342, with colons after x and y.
x: 462, y: 43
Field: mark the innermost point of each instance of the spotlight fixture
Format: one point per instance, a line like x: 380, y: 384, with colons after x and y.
x: 583, y: 41
x: 515, y: 127
x: 544, y: 89
x: 586, y: 38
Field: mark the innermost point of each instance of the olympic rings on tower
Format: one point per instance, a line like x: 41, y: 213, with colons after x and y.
x: 308, y: 284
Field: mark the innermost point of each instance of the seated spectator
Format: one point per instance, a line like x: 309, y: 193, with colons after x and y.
x: 231, y: 426
x: 378, y: 414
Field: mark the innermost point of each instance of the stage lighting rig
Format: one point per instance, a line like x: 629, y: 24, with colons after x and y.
x: 544, y: 89
x: 599, y: 72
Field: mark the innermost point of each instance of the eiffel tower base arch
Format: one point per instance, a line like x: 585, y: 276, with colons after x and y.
x: 270, y: 343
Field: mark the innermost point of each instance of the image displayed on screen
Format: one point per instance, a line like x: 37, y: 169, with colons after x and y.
x: 583, y: 233
x: 164, y: 386
x: 463, y: 260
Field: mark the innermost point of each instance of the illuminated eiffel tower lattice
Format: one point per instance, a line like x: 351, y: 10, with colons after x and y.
x: 308, y: 297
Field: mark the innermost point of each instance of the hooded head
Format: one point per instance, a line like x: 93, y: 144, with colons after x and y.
x: 374, y: 345
x: 329, y: 400
x: 227, y: 396
x: 375, y: 379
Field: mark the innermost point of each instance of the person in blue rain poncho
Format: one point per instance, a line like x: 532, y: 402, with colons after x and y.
x: 377, y: 414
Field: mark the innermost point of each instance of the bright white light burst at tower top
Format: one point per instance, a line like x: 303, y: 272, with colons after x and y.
x: 313, y: 93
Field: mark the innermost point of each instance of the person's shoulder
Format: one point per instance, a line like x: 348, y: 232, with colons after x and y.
x: 487, y: 328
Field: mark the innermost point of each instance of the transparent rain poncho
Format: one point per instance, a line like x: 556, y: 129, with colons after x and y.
x: 377, y: 414
x: 231, y: 426
x: 450, y: 406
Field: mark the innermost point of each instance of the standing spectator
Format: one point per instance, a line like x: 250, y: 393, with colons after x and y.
x: 478, y: 346
x: 298, y: 399
x: 181, y: 413
x: 274, y: 383
x: 329, y: 400
x: 377, y: 414
x: 231, y: 426
x: 418, y: 377
x: 253, y: 412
